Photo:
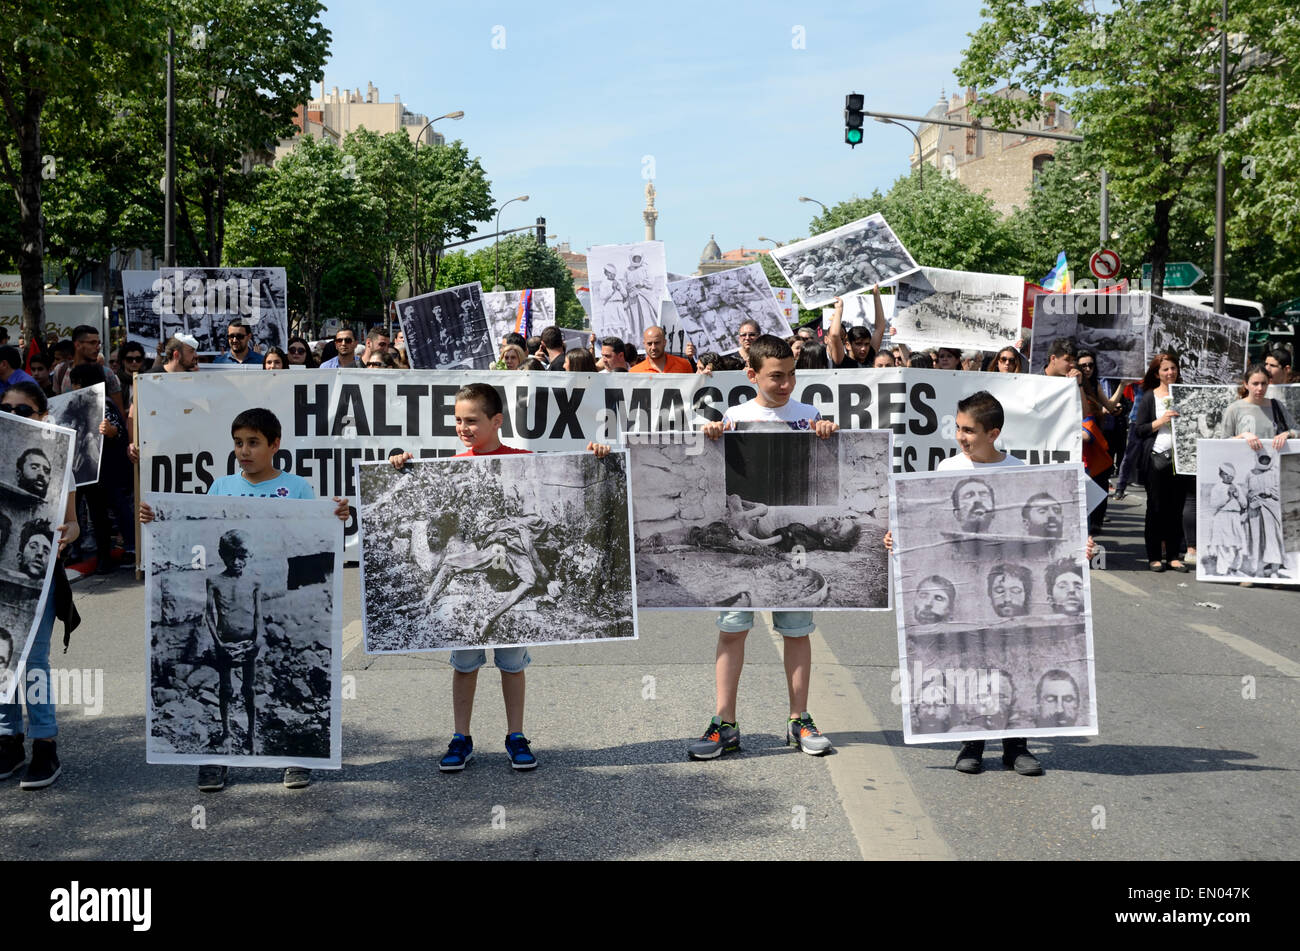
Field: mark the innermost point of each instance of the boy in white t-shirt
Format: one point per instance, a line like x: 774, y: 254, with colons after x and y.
x: 979, y: 424
x: 771, y: 370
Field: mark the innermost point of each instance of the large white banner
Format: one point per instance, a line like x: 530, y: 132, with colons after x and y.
x: 63, y: 313
x: 333, y: 419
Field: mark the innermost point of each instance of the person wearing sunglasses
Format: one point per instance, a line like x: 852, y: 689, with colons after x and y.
x: 238, y: 335
x: 299, y: 354
x: 345, y: 341
x: 26, y: 400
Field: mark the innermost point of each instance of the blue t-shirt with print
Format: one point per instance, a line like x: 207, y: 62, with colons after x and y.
x: 284, y: 486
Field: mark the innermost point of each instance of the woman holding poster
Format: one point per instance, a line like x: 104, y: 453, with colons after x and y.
x: 1168, y: 494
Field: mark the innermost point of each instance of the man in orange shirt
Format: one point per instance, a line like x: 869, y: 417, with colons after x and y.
x: 658, y: 360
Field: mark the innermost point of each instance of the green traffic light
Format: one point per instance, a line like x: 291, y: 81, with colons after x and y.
x: 853, y: 136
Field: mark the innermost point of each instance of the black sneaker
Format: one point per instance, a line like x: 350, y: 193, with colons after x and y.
x: 718, y: 738
x: 12, y: 755
x: 521, y: 756
x: 1016, y: 755
x: 212, y: 778
x: 296, y: 777
x: 44, y: 768
x: 969, y: 760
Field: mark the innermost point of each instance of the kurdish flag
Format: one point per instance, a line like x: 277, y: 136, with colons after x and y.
x: 1058, y: 278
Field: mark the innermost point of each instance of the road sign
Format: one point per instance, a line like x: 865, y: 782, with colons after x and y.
x: 1177, y: 274
x: 1104, y: 264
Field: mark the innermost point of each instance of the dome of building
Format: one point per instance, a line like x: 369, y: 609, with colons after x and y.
x: 711, y: 251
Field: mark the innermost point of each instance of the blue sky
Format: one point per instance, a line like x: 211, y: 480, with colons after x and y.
x: 738, y: 121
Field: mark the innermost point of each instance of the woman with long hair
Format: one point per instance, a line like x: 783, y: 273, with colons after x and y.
x: 298, y: 354
x: 1168, y: 495
x: 1255, y: 415
x: 1007, y: 360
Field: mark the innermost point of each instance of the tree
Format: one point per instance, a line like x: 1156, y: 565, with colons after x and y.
x: 80, y: 53
x: 309, y: 211
x: 1142, y: 77
x: 524, y: 264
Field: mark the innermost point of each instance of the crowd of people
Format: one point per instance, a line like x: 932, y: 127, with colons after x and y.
x: 1126, y: 432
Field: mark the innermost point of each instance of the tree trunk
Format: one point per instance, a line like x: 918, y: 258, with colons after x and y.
x: 1160, y: 245
x: 31, y: 223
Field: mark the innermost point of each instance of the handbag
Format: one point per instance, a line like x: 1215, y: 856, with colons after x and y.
x: 1162, y: 461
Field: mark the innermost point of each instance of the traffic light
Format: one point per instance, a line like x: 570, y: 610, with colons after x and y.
x: 541, y: 231
x: 853, y: 119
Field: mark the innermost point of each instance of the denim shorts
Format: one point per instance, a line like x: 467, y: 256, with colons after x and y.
x: 508, y: 660
x: 785, y: 623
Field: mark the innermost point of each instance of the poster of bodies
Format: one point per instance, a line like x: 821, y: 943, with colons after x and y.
x: 245, y: 631
x: 1113, y: 326
x: 628, y: 284
x: 82, y: 411
x: 711, y: 308
x: 503, y: 311
x: 848, y: 260
x: 142, y: 304
x: 1211, y: 348
x: 1241, y: 523
x: 993, y: 601
x: 496, y: 552
x: 203, y: 301
x: 34, y: 487
x: 1199, y: 410
x: 447, y: 329
x: 969, y: 311
x: 762, y: 520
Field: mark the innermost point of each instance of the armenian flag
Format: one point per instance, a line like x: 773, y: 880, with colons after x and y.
x: 524, y: 313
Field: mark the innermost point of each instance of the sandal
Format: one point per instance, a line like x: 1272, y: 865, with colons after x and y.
x: 1179, y: 566
x: 1157, y: 566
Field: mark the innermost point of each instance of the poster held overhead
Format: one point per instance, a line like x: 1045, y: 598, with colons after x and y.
x: 959, y: 309
x: 447, y: 329
x: 204, y: 301
x: 1113, y: 326
x: 628, y: 283
x: 1211, y: 348
x: 848, y: 260
x: 712, y: 308
x: 526, y: 312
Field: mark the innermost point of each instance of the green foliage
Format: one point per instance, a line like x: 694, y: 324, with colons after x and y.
x: 524, y: 263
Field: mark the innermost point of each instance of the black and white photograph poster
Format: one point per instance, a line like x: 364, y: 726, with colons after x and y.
x: 628, y: 283
x: 1290, y: 487
x: 1211, y: 348
x: 510, y: 312
x: 1113, y: 326
x: 848, y: 260
x: 245, y: 631
x: 1288, y: 394
x: 34, y: 484
x: 1199, y: 408
x: 142, y: 306
x: 762, y: 520
x: 1240, y: 532
x: 496, y: 551
x: 82, y: 411
x: 963, y: 309
x: 994, y: 608
x: 712, y: 308
x: 204, y: 301
x: 447, y: 329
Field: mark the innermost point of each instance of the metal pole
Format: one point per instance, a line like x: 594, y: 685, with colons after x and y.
x: 169, y: 200
x: 1220, y: 189
x: 1105, y: 208
x: 415, y: 244
x: 496, y: 258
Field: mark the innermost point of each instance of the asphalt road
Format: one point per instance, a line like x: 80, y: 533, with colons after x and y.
x: 1196, y: 757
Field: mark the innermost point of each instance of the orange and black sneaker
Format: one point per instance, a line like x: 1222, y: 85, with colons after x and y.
x: 718, y: 738
x: 800, y: 731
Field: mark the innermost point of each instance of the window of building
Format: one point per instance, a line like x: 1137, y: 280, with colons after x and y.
x: 1040, y: 163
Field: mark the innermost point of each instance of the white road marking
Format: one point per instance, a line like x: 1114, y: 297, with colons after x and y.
x: 886, y: 815
x: 1257, y: 652
x: 1119, y: 584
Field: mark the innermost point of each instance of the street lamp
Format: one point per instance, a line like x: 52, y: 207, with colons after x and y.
x: 805, y: 198
x: 920, y: 159
x: 415, y: 246
x: 777, y: 243
x: 496, y: 263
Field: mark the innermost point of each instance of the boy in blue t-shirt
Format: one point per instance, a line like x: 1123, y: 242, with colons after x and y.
x: 256, y: 433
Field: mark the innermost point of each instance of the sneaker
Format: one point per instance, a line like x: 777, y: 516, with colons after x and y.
x: 803, y: 733
x: 969, y: 760
x: 521, y: 757
x: 718, y: 738
x: 1016, y: 755
x: 459, y: 752
x: 12, y: 755
x: 212, y: 778
x: 44, y: 768
x: 297, y: 777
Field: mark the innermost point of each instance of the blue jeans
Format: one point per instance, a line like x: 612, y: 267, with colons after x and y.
x: 40, y: 716
x: 786, y: 623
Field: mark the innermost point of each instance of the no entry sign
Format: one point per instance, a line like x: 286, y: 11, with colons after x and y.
x: 1104, y: 264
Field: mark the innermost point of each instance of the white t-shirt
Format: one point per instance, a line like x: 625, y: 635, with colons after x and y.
x: 793, y: 415
x: 1165, y: 434
x: 963, y: 461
